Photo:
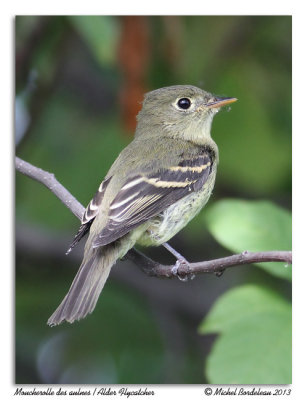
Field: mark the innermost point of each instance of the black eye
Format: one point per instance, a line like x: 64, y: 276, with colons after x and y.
x: 184, y: 103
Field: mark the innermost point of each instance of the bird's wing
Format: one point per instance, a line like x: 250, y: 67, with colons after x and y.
x: 90, y: 213
x: 144, y: 196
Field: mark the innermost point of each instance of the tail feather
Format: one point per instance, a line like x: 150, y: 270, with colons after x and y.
x: 86, y: 287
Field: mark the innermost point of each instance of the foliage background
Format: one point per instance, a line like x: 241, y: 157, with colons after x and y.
x: 79, y: 84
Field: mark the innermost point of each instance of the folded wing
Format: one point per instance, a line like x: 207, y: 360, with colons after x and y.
x: 146, y: 195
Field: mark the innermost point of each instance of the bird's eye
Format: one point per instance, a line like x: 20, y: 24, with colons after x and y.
x: 184, y: 103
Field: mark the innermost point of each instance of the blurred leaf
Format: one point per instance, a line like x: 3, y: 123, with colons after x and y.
x: 241, y: 225
x: 101, y: 35
x: 254, y: 346
x: 240, y: 303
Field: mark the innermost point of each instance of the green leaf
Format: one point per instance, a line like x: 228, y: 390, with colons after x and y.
x: 239, y: 303
x: 241, y: 225
x: 100, y: 33
x: 255, y: 342
x: 253, y: 353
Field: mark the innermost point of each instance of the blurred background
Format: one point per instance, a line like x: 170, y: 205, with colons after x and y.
x: 79, y: 85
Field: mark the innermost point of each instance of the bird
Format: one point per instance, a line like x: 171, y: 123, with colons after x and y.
x: 157, y: 184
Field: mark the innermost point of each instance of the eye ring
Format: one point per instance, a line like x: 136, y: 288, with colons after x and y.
x: 184, y: 103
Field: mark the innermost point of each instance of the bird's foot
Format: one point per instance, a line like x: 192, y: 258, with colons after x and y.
x: 181, y: 261
x: 182, y: 276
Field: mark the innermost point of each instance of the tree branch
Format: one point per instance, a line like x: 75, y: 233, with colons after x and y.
x: 150, y: 267
x: 153, y: 268
x: 49, y: 180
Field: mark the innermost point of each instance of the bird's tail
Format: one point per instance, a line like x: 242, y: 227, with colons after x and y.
x: 87, y: 286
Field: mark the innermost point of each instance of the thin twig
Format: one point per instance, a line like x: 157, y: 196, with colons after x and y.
x: 49, y: 180
x: 149, y: 266
x: 153, y: 268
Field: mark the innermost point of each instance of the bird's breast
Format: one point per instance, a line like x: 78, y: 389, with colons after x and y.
x: 168, y: 223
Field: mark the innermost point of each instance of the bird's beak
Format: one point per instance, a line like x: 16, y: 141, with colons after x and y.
x: 221, y: 101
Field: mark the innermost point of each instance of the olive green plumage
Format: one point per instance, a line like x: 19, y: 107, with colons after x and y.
x: 158, y: 183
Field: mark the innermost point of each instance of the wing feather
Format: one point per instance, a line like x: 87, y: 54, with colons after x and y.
x: 90, y: 213
x: 144, y: 196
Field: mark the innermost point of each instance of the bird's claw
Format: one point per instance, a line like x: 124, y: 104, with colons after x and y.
x: 175, y: 270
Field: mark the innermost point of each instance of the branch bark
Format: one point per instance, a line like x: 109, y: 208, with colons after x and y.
x: 153, y: 268
x: 150, y: 267
x: 49, y: 180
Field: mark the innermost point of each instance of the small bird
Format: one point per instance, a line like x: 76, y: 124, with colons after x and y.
x: 158, y: 183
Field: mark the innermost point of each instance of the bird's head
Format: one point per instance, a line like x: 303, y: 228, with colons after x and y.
x: 179, y: 111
